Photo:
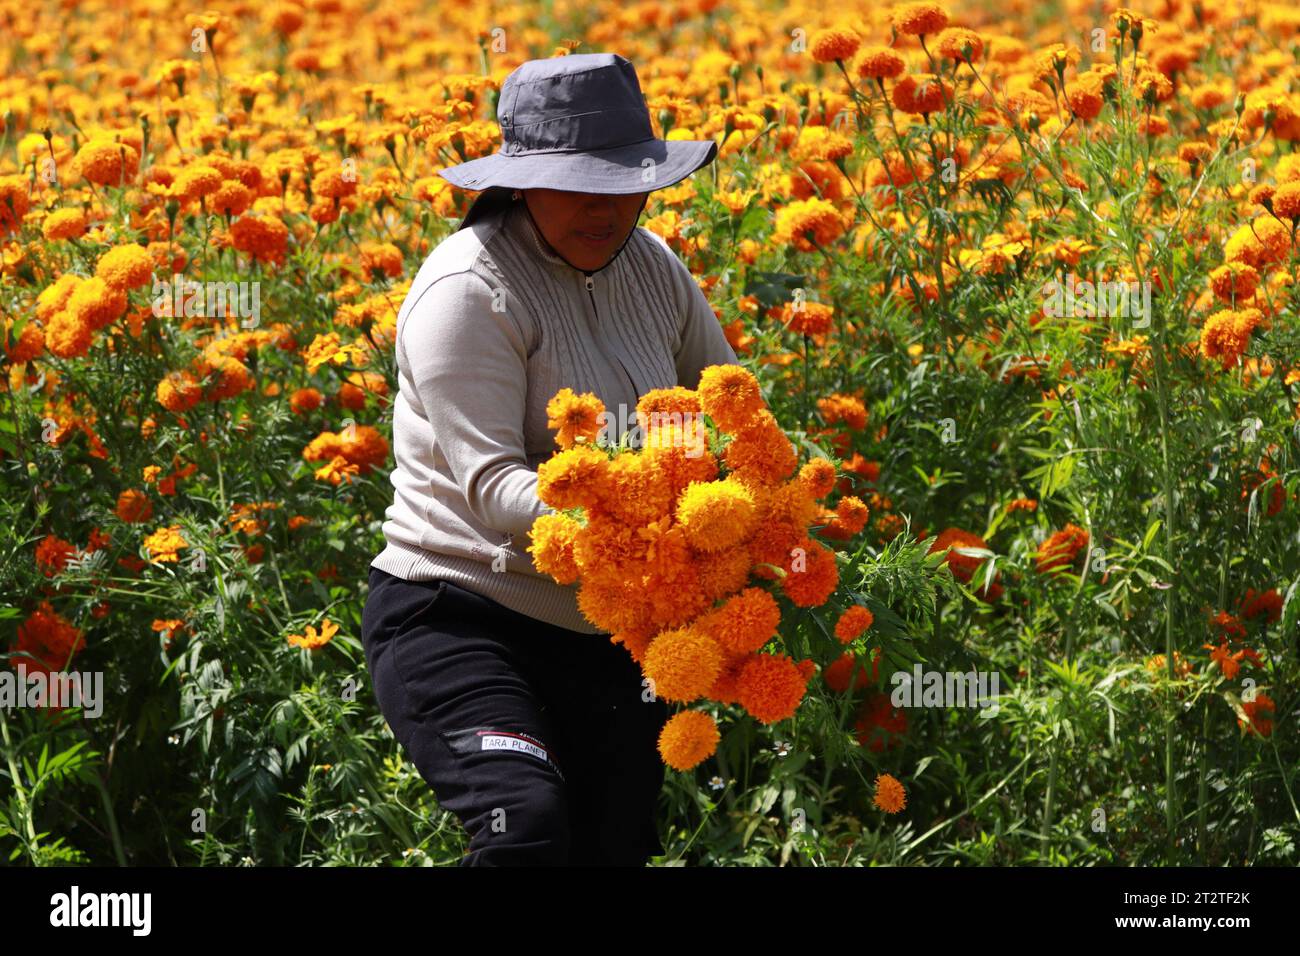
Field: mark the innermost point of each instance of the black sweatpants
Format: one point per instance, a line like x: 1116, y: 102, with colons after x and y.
x: 537, y: 737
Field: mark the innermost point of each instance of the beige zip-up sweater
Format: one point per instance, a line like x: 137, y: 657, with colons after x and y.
x: 493, y: 326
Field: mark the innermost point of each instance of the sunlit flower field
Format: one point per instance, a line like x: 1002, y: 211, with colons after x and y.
x: 1013, y: 284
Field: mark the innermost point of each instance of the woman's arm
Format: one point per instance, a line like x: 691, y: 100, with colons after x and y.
x: 468, y: 363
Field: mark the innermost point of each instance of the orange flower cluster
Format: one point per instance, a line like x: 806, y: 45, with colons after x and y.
x: 671, y: 544
x: 965, y: 566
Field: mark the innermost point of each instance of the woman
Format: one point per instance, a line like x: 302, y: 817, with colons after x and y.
x: 527, y: 722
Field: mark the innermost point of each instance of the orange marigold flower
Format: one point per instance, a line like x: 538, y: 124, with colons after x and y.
x: 1255, y: 709
x: 1234, y: 280
x: 682, y: 663
x: 1256, y: 604
x: 818, y: 474
x: 848, y: 667
x: 879, y: 725
x: 1061, y: 548
x: 304, y: 400
x: 959, y: 43
x: 63, y: 224
x: 839, y: 409
x: 572, y: 478
x: 729, y: 394
x: 178, y: 392
x: 687, y: 739
x: 106, y: 163
x: 880, y: 63
x: 14, y: 203
x: 744, y: 623
x: 265, y: 238
x: 134, y: 506
x: 890, y: 795
x: 125, y: 267
x: 921, y: 93
x: 853, y: 622
x: 49, y: 638
x: 830, y: 45
x: 553, y: 537
x: 760, y: 453
x: 807, y: 318
x: 918, y: 18
x: 812, y: 574
x: 53, y: 555
x: 575, y: 418
x: 770, y: 687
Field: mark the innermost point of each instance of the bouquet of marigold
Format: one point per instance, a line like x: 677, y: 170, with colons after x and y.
x: 685, y: 546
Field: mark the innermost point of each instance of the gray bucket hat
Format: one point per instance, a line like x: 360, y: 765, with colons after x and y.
x: 579, y: 123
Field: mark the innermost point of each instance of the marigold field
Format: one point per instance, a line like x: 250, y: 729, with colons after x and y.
x: 1015, y: 285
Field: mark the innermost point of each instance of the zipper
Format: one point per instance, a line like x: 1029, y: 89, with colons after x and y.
x: 591, y: 294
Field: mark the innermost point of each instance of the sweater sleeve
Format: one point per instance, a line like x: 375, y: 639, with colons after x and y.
x: 468, y: 362
x: 702, y: 340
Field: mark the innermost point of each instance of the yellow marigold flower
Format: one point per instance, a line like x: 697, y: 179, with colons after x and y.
x: 806, y: 224
x: 313, y: 640
x: 848, y: 410
x: 853, y: 622
x: 573, y: 478
x: 729, y: 394
x: 744, y: 623
x: 1234, y: 280
x: 67, y: 336
x: 164, y: 544
x: 125, y: 267
x: 890, y: 795
x: 95, y: 303
x: 575, y: 418
x: 770, y: 687
x: 678, y: 455
x: 830, y: 45
x: 716, y: 514
x: 54, y: 297
x: 880, y: 63
x: 64, y: 224
x: 688, y: 738
x: 329, y: 348
x: 919, y: 18
x: 682, y: 663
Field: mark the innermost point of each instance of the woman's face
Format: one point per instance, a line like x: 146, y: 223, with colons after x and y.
x: 586, y: 228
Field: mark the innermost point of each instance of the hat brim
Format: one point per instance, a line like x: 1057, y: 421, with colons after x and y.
x: 622, y: 170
